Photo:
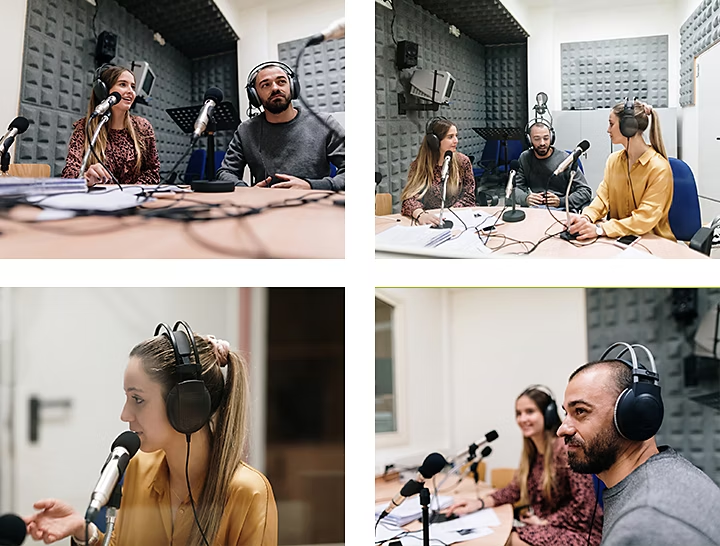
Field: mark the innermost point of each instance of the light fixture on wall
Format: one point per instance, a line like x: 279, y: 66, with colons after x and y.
x: 455, y: 31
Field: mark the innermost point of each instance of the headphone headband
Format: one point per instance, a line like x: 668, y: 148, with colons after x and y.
x: 251, y: 92
x: 541, y: 388
x: 544, y: 123
x: 628, y: 348
x: 255, y: 71
x: 550, y: 412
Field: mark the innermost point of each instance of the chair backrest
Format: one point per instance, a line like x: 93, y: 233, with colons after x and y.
x: 196, y: 165
x: 29, y: 170
x: 383, y: 204
x: 219, y: 156
x: 490, y: 152
x: 684, y: 215
x: 500, y: 477
x: 481, y: 469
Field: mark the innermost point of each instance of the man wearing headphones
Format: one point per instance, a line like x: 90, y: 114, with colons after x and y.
x: 285, y: 146
x: 654, y: 496
x: 535, y: 184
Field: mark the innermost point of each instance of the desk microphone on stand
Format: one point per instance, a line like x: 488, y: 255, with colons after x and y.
x: 444, y: 224
x: 572, y: 162
x: 512, y: 215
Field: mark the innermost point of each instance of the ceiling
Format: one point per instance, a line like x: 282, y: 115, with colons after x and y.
x: 195, y: 27
x: 485, y: 21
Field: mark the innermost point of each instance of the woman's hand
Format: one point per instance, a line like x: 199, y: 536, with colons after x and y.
x: 425, y: 218
x: 465, y: 506
x: 582, y: 226
x: 55, y: 521
x: 532, y: 519
x: 97, y: 174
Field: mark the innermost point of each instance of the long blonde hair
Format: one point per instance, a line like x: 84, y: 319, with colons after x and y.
x: 542, y: 401
x: 421, y: 173
x: 643, y: 120
x: 228, y: 424
x: 110, y: 76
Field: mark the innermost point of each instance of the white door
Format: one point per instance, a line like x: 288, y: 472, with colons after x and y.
x: 68, y: 349
x: 707, y: 91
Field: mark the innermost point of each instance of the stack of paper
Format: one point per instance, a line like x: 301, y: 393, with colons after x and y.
x: 10, y: 185
x: 410, y: 510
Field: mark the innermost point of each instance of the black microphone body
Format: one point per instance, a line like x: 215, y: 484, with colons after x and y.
x: 432, y: 464
x: 123, y: 449
x: 17, y: 127
x: 573, y: 157
x: 105, y: 105
x: 213, y: 97
x: 489, y: 437
x: 336, y: 29
x: 12, y: 530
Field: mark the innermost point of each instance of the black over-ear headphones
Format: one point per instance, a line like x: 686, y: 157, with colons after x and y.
x: 638, y: 410
x: 539, y: 121
x: 188, y: 402
x: 550, y: 413
x: 100, y: 88
x: 431, y: 136
x: 628, y: 123
x: 252, y: 94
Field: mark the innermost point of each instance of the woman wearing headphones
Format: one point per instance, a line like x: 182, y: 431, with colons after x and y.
x: 560, y: 502
x: 126, y: 144
x: 637, y: 189
x: 424, y: 189
x: 234, y: 502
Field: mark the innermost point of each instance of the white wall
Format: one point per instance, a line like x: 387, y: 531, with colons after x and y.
x: 463, y: 378
x: 12, y: 30
x: 261, y: 27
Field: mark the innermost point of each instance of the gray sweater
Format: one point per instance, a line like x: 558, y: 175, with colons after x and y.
x: 534, y: 173
x: 303, y: 147
x: 665, y: 501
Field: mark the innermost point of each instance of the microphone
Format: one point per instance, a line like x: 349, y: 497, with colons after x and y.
x: 123, y: 449
x: 105, y: 105
x: 12, y: 530
x: 445, y: 166
x: 17, y: 127
x: 569, y: 160
x: 514, y: 166
x: 213, y: 97
x: 489, y: 437
x: 432, y: 464
x: 336, y: 29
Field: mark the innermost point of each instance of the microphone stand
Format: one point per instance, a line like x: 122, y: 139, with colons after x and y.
x: 5, y: 163
x: 513, y: 215
x: 113, y: 506
x: 103, y: 120
x: 444, y: 224
x: 566, y: 235
x: 425, y: 502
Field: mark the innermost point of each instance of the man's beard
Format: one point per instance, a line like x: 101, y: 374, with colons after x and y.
x: 596, y: 455
x: 277, y: 107
x: 542, y: 153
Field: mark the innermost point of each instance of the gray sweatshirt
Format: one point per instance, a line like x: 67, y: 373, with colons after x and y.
x: 303, y: 147
x: 534, y: 174
x: 664, y: 501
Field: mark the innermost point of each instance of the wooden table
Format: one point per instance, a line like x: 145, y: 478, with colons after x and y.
x: 538, y: 223
x: 385, y: 490
x: 315, y: 230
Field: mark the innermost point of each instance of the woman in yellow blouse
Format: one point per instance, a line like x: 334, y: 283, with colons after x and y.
x: 637, y: 189
x: 235, y: 503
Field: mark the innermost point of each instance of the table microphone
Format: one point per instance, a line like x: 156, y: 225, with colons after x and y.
x: 512, y: 215
x: 445, y: 171
x: 12, y: 530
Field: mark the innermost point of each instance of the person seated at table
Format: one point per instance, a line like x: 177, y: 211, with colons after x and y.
x: 126, y: 144
x: 560, y: 502
x: 424, y: 189
x: 635, y: 195
x: 285, y: 146
x: 535, y: 184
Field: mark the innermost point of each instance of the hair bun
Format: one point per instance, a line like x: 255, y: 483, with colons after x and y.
x: 221, y: 348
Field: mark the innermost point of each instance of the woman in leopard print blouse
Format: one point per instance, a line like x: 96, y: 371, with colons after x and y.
x: 126, y: 143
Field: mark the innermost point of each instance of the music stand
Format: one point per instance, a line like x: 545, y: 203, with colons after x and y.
x: 503, y: 134
x: 224, y: 118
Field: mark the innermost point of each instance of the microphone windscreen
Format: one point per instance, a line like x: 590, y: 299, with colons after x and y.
x: 117, y: 96
x: 215, y: 94
x: 487, y: 450
x: 12, y: 530
x: 129, y: 440
x: 432, y: 464
x: 514, y: 166
x: 491, y: 436
x: 448, y: 153
x: 20, y: 123
x: 584, y: 145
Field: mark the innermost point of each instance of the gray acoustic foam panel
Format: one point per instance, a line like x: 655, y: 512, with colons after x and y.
x: 645, y: 316
x: 58, y: 72
x: 506, y: 86
x: 321, y: 72
x: 601, y: 74
x: 699, y: 32
x: 398, y: 138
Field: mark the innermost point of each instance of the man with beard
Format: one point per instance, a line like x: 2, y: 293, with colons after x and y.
x: 535, y: 184
x: 285, y: 146
x: 654, y: 495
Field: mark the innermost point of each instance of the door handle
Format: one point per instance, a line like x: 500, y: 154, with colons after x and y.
x: 35, y: 406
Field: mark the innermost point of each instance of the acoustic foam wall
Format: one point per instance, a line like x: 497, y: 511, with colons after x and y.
x: 645, y: 316
x: 602, y: 73
x: 398, y: 137
x: 506, y: 86
x: 699, y: 32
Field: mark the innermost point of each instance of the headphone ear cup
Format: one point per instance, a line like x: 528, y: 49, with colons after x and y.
x: 551, y: 416
x: 639, y: 412
x: 552, y: 136
x: 628, y: 126
x: 252, y: 95
x: 100, y: 90
x: 188, y: 406
x: 433, y: 142
x: 294, y: 86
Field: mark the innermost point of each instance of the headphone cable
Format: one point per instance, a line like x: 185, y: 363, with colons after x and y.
x: 192, y: 501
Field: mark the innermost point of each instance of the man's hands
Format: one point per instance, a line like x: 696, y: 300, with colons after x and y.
x: 543, y: 198
x: 288, y: 182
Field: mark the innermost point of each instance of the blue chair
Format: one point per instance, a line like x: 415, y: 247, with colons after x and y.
x: 333, y: 170
x: 196, y: 166
x: 684, y: 216
x: 489, y: 159
x: 514, y: 149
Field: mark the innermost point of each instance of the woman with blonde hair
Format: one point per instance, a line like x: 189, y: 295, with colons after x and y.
x: 188, y: 484
x: 125, y: 148
x: 561, y: 503
x: 637, y: 189
x: 424, y: 188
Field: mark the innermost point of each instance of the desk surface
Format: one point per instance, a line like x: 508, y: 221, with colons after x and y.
x: 315, y: 230
x: 384, y: 491
x: 539, y: 221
